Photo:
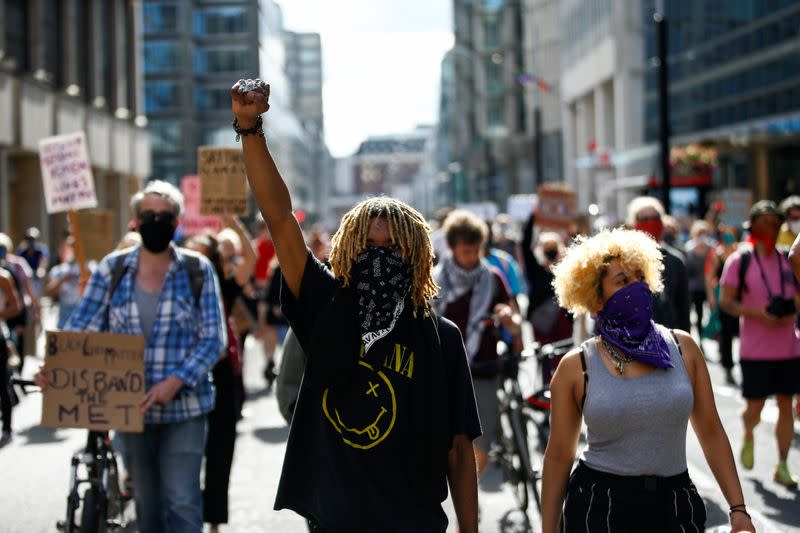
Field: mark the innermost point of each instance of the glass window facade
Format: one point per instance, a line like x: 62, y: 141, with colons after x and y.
x: 161, y: 96
x: 54, y: 39
x: 210, y: 98
x: 161, y: 57
x: 159, y: 18
x: 220, y: 20
x: 216, y: 60
x: 16, y: 32
x: 729, y: 62
x: 166, y: 135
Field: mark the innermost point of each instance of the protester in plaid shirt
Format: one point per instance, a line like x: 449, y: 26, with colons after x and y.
x: 184, y: 339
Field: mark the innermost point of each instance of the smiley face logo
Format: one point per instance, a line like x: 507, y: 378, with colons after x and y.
x: 368, y: 417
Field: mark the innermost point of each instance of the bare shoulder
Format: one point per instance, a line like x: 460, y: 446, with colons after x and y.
x: 569, y: 370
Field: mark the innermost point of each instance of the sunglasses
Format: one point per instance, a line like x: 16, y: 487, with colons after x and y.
x: 152, y: 216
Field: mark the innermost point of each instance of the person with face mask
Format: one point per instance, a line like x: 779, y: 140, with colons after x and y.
x: 64, y: 281
x: 764, y: 297
x: 636, y: 385
x: 550, y: 322
x: 472, y: 293
x: 729, y: 324
x: 153, y: 290
x: 386, y: 414
x: 790, y: 229
x: 670, y: 306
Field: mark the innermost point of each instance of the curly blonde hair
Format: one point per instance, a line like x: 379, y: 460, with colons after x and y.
x: 579, y: 276
x: 407, y: 228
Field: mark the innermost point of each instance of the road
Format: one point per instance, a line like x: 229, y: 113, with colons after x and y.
x: 35, y: 467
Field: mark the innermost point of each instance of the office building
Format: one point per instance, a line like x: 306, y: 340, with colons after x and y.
x: 68, y: 66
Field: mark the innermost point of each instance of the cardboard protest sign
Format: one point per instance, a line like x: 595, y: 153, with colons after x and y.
x: 557, y: 205
x: 192, y: 221
x: 97, y: 233
x: 96, y: 381
x: 223, y: 181
x: 66, y: 173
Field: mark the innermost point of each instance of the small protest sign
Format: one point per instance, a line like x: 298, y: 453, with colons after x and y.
x: 736, y: 205
x: 223, y: 181
x: 557, y: 205
x: 96, y: 381
x: 66, y: 173
x: 192, y: 221
x: 520, y: 206
x: 97, y: 233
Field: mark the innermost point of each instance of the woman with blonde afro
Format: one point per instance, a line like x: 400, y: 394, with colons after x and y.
x: 636, y: 385
x: 386, y: 416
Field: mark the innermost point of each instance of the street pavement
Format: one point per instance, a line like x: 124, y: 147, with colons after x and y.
x: 35, y: 468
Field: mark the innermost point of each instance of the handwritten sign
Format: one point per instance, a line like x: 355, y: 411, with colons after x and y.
x: 97, y: 233
x: 66, y: 173
x: 557, y: 205
x: 193, y: 222
x: 223, y: 181
x: 96, y: 381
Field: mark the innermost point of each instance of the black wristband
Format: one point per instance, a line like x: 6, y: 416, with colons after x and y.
x: 732, y: 507
x: 255, y: 130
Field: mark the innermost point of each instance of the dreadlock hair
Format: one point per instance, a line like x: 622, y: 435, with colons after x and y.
x: 407, y: 228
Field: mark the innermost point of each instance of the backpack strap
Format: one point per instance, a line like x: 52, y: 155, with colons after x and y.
x: 585, y: 371
x: 196, y: 277
x: 677, y: 342
x: 117, y: 273
x: 745, y: 257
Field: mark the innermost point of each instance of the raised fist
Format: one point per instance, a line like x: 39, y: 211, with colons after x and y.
x: 249, y: 99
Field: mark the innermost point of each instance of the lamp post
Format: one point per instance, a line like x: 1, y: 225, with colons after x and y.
x: 660, y: 19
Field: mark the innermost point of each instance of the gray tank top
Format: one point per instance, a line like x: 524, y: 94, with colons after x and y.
x: 147, y: 302
x: 637, y: 426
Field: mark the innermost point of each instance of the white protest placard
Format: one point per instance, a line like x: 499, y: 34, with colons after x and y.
x: 66, y: 173
x: 520, y: 206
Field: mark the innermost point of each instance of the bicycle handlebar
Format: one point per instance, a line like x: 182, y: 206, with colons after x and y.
x: 548, y: 351
x: 25, y: 383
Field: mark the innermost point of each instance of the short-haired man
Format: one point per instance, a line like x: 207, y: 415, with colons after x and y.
x: 185, y: 336
x: 472, y: 293
x: 671, y: 307
x: 769, y: 350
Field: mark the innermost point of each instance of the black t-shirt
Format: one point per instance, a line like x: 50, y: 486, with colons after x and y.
x: 346, y: 464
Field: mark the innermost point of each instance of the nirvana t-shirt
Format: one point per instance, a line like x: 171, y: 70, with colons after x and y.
x: 347, y: 459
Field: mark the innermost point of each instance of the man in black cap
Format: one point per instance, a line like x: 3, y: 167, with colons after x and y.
x: 758, y: 286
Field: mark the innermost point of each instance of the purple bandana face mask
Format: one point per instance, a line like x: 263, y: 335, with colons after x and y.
x: 626, y: 322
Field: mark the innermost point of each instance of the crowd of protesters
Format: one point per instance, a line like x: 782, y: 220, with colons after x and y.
x: 428, y: 308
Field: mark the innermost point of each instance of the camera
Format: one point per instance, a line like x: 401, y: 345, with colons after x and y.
x: 781, y: 307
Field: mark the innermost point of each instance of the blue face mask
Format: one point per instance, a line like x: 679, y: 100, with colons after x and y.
x: 727, y: 238
x: 3, y: 252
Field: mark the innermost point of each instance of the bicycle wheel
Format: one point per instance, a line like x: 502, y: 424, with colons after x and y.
x: 93, y: 515
x: 513, y: 461
x: 533, y: 432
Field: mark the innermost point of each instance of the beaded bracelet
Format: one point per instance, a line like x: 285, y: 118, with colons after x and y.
x: 255, y: 130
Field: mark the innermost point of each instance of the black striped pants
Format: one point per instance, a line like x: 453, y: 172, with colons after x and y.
x: 600, y: 502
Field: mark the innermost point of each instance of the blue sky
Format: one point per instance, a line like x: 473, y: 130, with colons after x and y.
x: 381, y: 63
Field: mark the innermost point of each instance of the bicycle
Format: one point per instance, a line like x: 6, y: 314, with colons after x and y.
x: 102, y: 503
x: 524, y: 423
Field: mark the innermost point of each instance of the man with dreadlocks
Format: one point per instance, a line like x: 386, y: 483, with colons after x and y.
x: 386, y: 414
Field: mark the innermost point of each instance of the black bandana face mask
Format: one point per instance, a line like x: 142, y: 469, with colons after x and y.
x: 381, y: 280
